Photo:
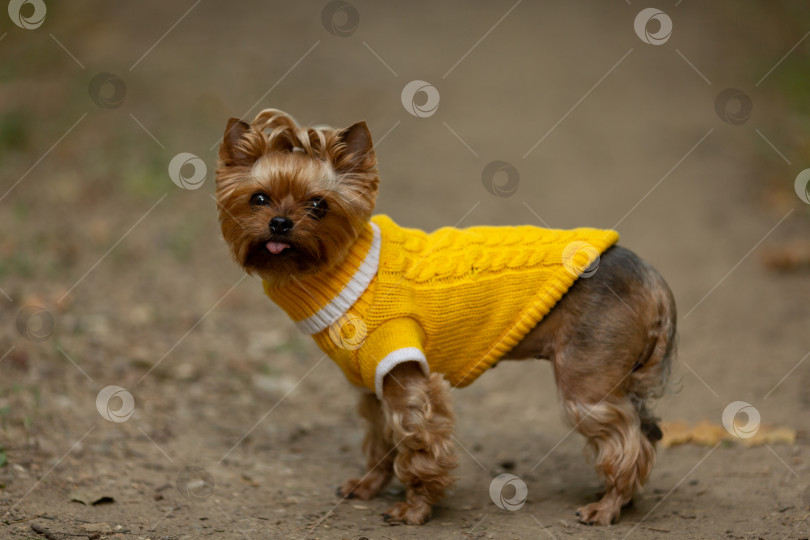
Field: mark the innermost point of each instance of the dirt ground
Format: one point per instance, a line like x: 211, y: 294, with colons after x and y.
x: 238, y: 427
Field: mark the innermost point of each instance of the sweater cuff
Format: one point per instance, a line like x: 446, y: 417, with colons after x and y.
x: 393, y: 359
x: 395, y: 341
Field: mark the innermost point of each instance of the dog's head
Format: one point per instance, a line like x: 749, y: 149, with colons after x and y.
x: 292, y: 200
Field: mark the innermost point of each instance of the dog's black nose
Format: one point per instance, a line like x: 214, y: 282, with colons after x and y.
x: 280, y: 225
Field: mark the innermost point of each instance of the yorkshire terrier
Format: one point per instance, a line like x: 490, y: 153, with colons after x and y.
x: 407, y: 315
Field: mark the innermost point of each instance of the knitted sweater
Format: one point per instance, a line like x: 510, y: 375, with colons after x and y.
x: 455, y: 300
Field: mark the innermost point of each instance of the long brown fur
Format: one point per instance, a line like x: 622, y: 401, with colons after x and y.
x: 292, y: 165
x: 611, y: 338
x: 409, y: 435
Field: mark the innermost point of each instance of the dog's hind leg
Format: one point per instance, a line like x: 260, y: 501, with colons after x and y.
x: 622, y: 454
x: 611, y: 339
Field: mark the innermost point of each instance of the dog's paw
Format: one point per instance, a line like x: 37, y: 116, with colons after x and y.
x: 410, y: 514
x: 361, y: 488
x: 599, y: 513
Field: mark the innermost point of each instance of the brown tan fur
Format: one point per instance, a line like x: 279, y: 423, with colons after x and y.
x: 332, y: 164
x: 409, y: 435
x: 610, y: 338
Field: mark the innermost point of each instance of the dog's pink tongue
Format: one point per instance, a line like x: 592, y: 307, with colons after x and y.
x: 276, y: 247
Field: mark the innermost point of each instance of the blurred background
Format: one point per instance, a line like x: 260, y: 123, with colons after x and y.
x: 684, y: 127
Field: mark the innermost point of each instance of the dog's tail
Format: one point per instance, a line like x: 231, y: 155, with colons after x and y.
x: 650, y: 375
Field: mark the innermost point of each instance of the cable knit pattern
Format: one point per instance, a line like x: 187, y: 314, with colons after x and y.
x: 465, y: 297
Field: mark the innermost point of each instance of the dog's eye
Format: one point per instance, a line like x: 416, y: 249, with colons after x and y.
x: 259, y: 199
x: 317, y: 207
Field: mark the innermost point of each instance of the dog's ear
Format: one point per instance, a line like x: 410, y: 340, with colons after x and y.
x: 234, y: 149
x: 358, y: 150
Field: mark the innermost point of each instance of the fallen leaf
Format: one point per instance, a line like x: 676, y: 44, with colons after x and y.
x: 788, y: 257
x: 776, y: 435
x: 90, y: 496
x: 706, y: 433
x: 675, y: 433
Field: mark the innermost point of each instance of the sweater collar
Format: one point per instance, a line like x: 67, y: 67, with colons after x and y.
x: 315, y: 302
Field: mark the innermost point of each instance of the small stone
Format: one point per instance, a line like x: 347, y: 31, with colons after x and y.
x: 97, y: 527
x: 274, y: 385
x: 184, y: 372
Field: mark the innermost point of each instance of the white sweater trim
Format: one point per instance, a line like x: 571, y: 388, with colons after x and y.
x: 393, y: 359
x: 340, y: 304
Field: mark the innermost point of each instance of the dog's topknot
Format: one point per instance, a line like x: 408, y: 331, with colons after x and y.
x: 282, y: 133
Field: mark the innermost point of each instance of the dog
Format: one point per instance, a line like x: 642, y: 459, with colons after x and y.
x: 407, y: 315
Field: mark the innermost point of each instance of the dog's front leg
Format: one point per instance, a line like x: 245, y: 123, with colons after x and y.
x: 419, y: 421
x: 379, y: 451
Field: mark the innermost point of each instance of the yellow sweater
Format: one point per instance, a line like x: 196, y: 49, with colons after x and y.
x: 455, y: 300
